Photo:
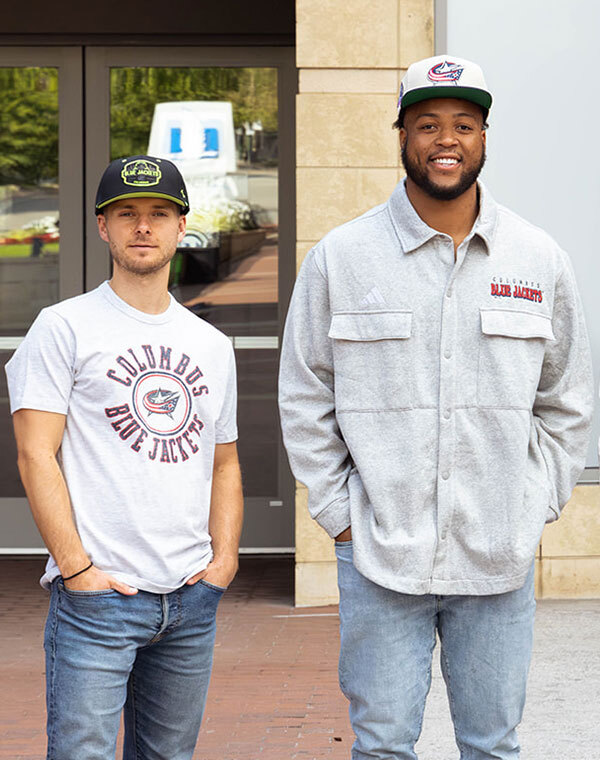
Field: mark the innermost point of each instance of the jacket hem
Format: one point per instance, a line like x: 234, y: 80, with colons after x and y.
x: 444, y: 587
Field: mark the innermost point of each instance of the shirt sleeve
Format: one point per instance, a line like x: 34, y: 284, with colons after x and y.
x: 316, y: 449
x: 563, y: 406
x: 40, y: 373
x: 226, y: 425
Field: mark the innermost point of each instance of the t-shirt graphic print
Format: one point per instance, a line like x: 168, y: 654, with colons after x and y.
x: 156, y: 414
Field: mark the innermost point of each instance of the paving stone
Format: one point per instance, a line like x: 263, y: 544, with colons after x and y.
x: 274, y: 692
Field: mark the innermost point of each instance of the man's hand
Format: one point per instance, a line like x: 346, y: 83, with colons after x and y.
x: 97, y: 580
x: 220, y: 572
x: 345, y: 535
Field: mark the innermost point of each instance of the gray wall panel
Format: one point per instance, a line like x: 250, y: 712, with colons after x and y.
x: 540, y: 61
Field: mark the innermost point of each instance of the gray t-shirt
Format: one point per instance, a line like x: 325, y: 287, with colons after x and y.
x: 146, y: 397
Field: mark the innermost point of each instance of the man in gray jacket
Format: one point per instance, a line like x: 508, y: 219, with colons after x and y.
x: 436, y: 399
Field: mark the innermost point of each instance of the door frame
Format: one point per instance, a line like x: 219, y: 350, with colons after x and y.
x: 68, y: 61
x: 17, y: 523
x: 98, y: 62
x: 84, y: 134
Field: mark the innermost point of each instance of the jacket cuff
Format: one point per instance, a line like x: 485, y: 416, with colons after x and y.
x: 552, y: 514
x: 335, y: 517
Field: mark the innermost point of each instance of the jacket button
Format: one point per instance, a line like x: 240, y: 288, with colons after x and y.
x: 445, y: 475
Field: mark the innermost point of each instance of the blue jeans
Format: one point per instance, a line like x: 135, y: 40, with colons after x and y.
x: 149, y: 654
x: 387, y: 642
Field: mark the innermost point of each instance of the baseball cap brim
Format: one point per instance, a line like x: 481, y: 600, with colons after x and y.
x: 475, y: 95
x: 144, y: 194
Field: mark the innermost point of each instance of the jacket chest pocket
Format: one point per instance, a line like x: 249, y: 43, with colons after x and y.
x: 372, y: 356
x: 511, y: 354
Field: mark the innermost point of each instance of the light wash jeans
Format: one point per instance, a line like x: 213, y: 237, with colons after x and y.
x: 387, y: 642
x: 149, y: 654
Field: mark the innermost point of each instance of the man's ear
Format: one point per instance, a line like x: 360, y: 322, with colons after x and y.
x: 402, y: 136
x: 102, y: 231
x: 182, y: 228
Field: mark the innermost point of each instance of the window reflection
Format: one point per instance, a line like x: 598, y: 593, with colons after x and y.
x: 29, y: 237
x: 220, y: 127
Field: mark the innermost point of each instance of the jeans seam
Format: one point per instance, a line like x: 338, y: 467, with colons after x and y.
x: 176, y: 620
x: 429, y: 679
x: 459, y: 743
x: 164, y: 623
x: 134, y: 719
x: 52, y: 674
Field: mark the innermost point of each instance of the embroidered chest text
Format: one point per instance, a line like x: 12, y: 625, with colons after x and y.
x: 505, y: 287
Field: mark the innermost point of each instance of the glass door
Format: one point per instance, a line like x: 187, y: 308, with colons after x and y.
x: 225, y: 117
x: 41, y: 227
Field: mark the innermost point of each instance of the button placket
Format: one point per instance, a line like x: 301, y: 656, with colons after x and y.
x: 446, y: 407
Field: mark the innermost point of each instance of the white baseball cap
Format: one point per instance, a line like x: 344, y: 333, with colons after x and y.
x: 444, y: 76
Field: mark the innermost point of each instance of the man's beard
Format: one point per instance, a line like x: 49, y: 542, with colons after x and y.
x: 440, y: 193
x: 140, y: 267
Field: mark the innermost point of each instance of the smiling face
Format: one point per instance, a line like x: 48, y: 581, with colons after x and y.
x: 443, y: 146
x: 142, y: 233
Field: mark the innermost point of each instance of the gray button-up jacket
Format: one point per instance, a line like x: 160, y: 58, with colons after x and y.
x: 441, y: 408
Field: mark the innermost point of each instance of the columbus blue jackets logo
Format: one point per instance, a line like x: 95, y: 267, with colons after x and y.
x: 447, y: 71
x: 162, y: 402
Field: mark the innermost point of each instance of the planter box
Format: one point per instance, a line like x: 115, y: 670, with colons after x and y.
x: 203, y: 265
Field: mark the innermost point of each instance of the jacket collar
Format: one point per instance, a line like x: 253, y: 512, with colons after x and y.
x: 413, y: 232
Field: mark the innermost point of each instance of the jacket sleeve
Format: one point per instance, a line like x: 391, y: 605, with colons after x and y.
x: 317, y: 452
x: 564, y: 400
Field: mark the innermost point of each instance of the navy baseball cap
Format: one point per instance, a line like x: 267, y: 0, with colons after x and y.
x: 141, y: 177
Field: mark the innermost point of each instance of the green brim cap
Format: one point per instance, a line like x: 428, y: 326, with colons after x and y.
x: 481, y: 97
x: 142, y: 177
x: 444, y: 76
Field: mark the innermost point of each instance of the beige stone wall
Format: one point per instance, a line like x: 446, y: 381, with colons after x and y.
x: 351, y: 56
x: 569, y: 554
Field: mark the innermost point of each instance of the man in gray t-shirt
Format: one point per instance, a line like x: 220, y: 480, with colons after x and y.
x: 124, y: 409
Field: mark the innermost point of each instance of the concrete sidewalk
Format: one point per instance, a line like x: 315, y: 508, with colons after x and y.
x: 274, y: 693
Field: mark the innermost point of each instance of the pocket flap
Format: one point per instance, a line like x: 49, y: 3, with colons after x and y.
x: 516, y: 324
x: 371, y: 325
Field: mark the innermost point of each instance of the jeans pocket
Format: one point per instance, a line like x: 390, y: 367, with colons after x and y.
x: 83, y: 594
x: 212, y: 587
x: 344, y: 554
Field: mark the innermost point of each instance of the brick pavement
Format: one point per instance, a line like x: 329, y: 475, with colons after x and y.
x: 274, y: 693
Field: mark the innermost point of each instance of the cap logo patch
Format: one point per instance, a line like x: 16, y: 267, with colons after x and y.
x: 446, y: 71
x: 141, y: 173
